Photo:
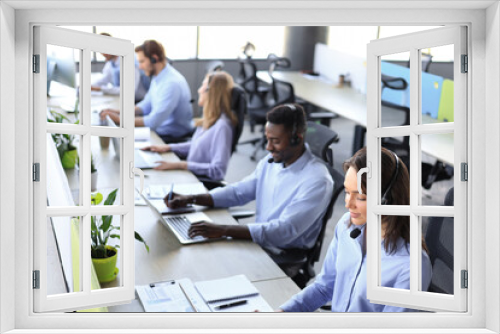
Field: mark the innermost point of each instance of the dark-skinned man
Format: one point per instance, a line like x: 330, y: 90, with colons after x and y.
x: 291, y: 186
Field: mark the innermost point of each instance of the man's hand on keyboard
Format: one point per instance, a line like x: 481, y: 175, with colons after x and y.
x: 207, y: 230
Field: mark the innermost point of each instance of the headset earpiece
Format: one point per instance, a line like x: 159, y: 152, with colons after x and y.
x: 386, y: 195
x: 153, y: 60
x: 294, y: 139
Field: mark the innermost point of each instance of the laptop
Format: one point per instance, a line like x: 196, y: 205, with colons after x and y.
x: 142, y: 159
x: 179, y: 224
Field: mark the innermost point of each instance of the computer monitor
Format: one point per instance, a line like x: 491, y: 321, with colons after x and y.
x: 60, y: 66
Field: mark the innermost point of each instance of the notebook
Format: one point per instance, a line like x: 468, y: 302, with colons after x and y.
x: 226, y: 289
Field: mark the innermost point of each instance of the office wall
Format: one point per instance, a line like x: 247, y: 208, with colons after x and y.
x: 299, y: 45
x: 7, y: 170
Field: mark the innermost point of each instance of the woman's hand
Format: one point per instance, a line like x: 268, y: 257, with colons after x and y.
x: 157, y: 148
x: 164, y: 165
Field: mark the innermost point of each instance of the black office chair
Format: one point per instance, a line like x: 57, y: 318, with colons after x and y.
x: 299, y: 263
x: 238, y: 106
x: 214, y: 66
x: 255, y: 88
x: 439, y: 239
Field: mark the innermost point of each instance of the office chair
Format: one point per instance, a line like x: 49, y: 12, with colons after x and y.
x: 214, y: 66
x: 238, y: 106
x: 299, y: 263
x: 255, y: 88
x: 439, y: 239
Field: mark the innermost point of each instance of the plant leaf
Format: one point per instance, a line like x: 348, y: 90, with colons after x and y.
x: 106, y: 223
x: 111, y: 198
x: 139, y: 238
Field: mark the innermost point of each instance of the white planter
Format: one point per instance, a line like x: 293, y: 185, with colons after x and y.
x: 93, y: 181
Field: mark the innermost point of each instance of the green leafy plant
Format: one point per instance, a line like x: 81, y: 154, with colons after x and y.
x: 64, y: 142
x: 102, y: 229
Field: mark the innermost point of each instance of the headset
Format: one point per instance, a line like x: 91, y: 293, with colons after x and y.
x: 294, y: 139
x: 386, y: 196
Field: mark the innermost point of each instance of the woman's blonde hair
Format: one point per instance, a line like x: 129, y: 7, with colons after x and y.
x: 218, y: 101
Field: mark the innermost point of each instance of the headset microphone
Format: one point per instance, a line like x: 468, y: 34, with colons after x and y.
x: 271, y: 160
x: 355, y: 233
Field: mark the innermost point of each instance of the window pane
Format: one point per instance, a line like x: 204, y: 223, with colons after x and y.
x: 228, y: 42
x: 438, y: 232
x: 437, y: 84
x: 391, y: 172
x: 62, y: 81
x: 395, y: 252
x: 106, y: 158
x: 395, y: 90
x: 179, y: 41
x: 63, y: 248
x: 63, y: 170
x: 105, y: 89
x: 105, y: 248
x: 437, y: 167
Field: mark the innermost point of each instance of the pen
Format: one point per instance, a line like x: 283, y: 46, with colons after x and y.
x: 171, y: 193
x: 238, y: 303
x: 187, y: 297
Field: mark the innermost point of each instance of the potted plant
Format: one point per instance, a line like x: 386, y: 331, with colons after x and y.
x: 103, y: 255
x: 93, y: 175
x: 64, y: 142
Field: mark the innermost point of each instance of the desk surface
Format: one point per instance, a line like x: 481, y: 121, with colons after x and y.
x: 169, y: 260
x: 351, y: 104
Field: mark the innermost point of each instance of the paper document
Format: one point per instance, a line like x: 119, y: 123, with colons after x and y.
x: 171, y: 296
x: 142, y: 134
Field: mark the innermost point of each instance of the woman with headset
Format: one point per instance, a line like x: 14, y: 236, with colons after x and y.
x: 342, y: 280
x: 208, y: 153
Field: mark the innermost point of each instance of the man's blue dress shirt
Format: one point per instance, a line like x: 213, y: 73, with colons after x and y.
x: 290, y: 201
x: 167, y: 107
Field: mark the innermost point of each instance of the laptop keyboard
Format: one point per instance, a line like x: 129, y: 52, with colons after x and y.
x: 181, y: 224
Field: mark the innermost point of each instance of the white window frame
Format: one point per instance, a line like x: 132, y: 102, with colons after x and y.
x: 413, y: 43
x: 483, y: 103
x: 86, y: 43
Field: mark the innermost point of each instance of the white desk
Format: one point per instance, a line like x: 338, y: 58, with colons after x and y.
x: 348, y: 103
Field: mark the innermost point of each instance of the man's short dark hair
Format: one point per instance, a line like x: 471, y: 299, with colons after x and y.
x: 288, y: 115
x: 150, y: 48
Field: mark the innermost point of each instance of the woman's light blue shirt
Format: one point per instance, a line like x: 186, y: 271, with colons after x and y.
x: 209, y: 151
x: 167, y: 107
x: 290, y: 202
x: 343, y: 277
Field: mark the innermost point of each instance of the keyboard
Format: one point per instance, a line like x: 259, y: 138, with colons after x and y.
x: 181, y: 225
x: 146, y: 159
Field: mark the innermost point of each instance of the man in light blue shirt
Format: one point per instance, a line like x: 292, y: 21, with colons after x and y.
x: 292, y: 188
x: 166, y: 108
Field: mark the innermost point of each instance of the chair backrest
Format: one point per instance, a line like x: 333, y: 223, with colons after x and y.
x: 239, y: 107
x: 319, y: 138
x: 281, y: 92
x: 247, y: 77
x: 439, y: 240
x: 214, y: 66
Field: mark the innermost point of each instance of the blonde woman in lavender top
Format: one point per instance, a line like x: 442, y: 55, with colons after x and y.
x: 208, y: 153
